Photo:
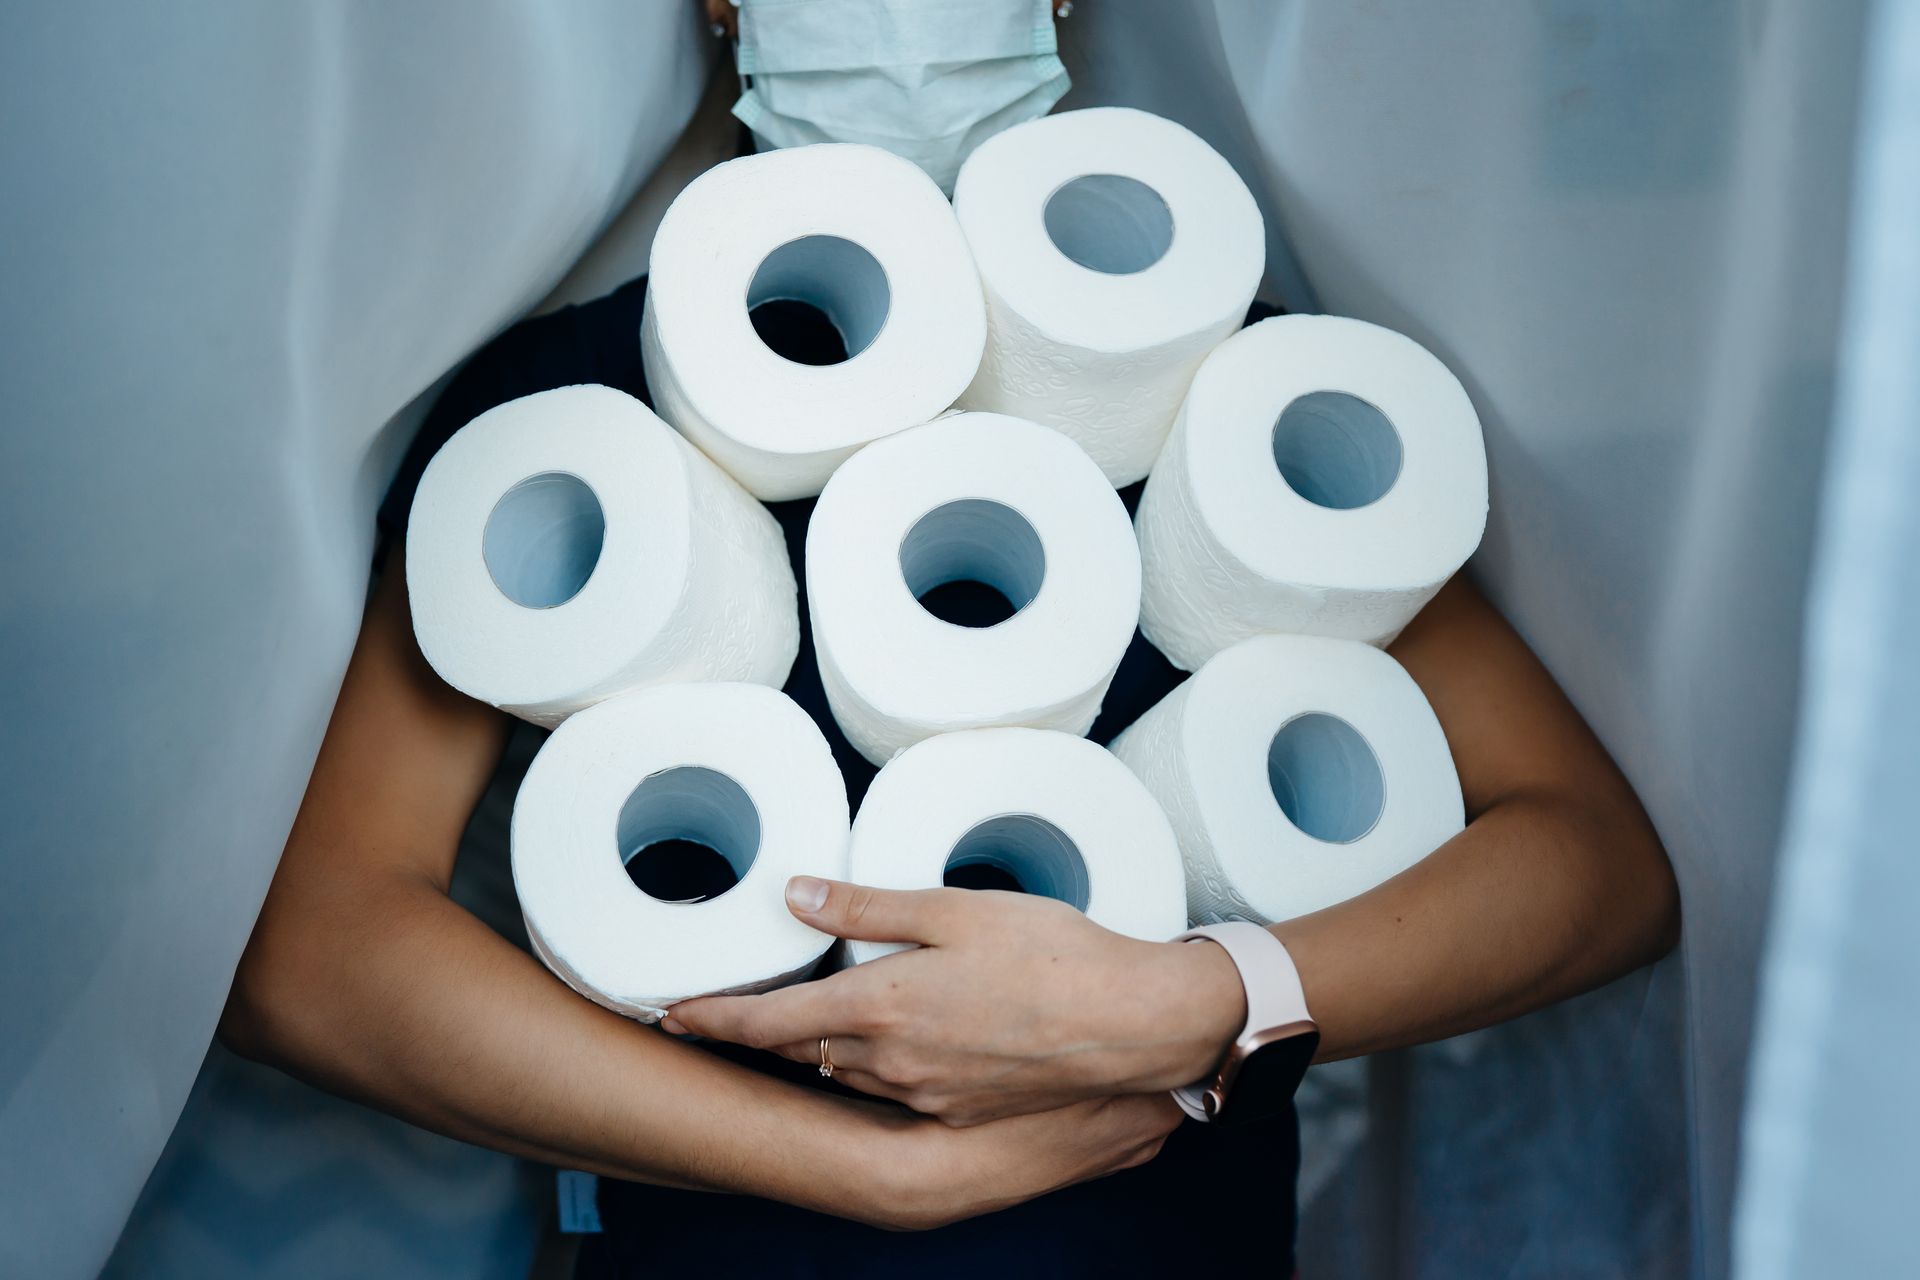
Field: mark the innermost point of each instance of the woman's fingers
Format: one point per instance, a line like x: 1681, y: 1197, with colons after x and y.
x: 852, y: 1057
x: 788, y: 1016
x: 848, y: 1053
x: 849, y: 1003
x: 926, y: 916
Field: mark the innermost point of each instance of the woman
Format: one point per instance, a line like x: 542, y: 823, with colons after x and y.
x: 1032, y: 1049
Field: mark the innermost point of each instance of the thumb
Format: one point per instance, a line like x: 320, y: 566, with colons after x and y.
x: 872, y: 915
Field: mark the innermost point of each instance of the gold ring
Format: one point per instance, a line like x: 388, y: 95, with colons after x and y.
x: 826, y: 1058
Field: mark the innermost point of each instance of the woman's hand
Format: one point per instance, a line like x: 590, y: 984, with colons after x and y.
x: 1010, y: 1004
x: 930, y: 1175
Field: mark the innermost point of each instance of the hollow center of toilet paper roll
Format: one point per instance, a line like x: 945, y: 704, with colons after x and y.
x: 1326, y: 778
x: 1022, y: 852
x: 543, y: 539
x: 1336, y: 450
x: 835, y: 278
x: 978, y: 542
x: 1109, y: 223
x: 688, y: 834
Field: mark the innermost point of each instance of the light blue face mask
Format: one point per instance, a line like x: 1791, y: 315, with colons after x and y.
x: 926, y: 79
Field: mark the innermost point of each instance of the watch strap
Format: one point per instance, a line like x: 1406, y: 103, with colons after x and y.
x: 1272, y: 985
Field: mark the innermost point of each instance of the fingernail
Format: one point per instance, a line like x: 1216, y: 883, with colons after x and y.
x: 672, y: 1027
x: 804, y: 893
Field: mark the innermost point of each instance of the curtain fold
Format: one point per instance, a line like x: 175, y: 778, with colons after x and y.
x: 1624, y: 226
x: 239, y: 239
x: 1832, y: 1154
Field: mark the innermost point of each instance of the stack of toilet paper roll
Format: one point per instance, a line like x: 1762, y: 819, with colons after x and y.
x: 982, y: 498
x: 1116, y: 250
x: 1298, y: 771
x: 737, y: 768
x: 1028, y: 809
x: 1323, y: 480
x: 567, y: 546
x: 1070, y: 322
x: 855, y: 232
x: 1325, y: 477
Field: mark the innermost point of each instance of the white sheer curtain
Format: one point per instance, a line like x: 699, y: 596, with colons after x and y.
x: 1832, y: 1154
x: 1624, y: 226
x: 239, y: 238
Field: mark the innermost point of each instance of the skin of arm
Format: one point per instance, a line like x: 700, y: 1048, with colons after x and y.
x: 362, y: 976
x: 1014, y: 1004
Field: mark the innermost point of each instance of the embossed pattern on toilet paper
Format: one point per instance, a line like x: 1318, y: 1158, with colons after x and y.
x: 1154, y: 753
x: 880, y: 736
x: 724, y: 630
x: 1200, y: 602
x: 1115, y: 406
x: 645, y: 1008
x: 778, y: 476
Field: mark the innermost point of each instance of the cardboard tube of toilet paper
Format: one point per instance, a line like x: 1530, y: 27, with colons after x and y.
x: 1032, y: 810
x: 568, y: 546
x: 737, y: 768
x: 853, y: 231
x: 980, y: 498
x: 1326, y: 476
x: 1297, y: 772
x: 1116, y: 249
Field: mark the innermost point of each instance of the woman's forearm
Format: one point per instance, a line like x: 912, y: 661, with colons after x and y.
x: 412, y: 1005
x: 1539, y: 899
x: 401, y: 999
x: 365, y: 977
x: 1557, y: 885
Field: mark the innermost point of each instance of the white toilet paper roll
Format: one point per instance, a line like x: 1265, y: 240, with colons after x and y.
x: 972, y: 497
x: 1029, y: 809
x: 738, y: 768
x: 1326, y: 476
x: 1297, y: 771
x: 567, y: 546
x: 1117, y: 249
x: 856, y: 232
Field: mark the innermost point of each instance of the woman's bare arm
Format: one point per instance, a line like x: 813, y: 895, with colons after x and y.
x: 364, y: 977
x: 1557, y: 885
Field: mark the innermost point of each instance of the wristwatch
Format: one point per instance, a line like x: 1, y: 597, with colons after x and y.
x: 1265, y: 1062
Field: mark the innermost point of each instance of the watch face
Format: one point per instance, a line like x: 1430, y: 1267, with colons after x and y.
x: 1265, y: 1082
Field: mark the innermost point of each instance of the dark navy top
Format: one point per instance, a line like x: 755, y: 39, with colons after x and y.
x: 1213, y: 1199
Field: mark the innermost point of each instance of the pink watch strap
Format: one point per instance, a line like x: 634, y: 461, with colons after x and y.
x: 1274, y: 997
